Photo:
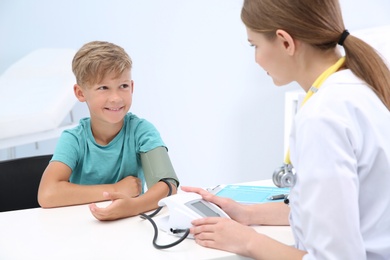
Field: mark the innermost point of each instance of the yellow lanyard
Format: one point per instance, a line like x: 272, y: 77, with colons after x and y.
x: 316, y: 85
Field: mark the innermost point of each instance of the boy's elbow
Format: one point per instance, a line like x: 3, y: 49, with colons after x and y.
x: 45, y: 199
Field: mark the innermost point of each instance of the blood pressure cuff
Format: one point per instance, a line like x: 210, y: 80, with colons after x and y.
x: 156, y: 166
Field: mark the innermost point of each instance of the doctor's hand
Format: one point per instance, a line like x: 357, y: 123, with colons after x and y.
x: 223, y: 233
x: 234, y: 209
x: 121, y: 206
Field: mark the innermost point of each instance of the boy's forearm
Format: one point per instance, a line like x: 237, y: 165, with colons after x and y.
x: 149, y: 200
x: 66, y: 194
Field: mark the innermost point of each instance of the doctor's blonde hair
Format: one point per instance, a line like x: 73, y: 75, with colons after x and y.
x: 320, y: 24
x: 96, y: 59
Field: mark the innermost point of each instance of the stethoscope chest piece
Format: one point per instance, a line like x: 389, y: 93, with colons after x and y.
x: 284, y: 176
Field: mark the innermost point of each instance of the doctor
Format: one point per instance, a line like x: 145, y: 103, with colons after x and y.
x: 339, y: 144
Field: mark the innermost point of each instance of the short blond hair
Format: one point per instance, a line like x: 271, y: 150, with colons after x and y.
x: 96, y: 59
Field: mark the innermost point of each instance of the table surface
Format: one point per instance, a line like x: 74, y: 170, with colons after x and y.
x: 73, y: 233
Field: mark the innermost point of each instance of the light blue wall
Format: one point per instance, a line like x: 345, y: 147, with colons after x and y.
x: 195, y: 75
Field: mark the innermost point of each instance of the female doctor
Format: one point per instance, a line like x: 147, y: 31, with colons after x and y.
x: 339, y: 145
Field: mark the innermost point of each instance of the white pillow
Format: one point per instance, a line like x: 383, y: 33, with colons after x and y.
x: 36, y: 92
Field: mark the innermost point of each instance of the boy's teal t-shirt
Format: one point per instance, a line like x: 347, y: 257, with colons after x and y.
x: 92, y: 163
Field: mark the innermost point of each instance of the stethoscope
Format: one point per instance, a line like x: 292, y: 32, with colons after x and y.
x: 285, y: 175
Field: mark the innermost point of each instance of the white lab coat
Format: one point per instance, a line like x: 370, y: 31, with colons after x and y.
x: 340, y: 149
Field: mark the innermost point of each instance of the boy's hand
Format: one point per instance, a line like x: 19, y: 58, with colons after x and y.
x: 120, y: 207
x: 129, y: 185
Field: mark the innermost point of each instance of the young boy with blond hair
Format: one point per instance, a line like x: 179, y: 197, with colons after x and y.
x: 113, y: 153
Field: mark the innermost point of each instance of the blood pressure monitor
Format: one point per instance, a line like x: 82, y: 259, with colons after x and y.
x: 184, y: 207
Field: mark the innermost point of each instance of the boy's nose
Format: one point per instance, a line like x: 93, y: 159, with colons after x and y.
x: 114, y: 96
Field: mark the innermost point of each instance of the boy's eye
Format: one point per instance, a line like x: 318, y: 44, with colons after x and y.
x: 252, y: 45
x: 124, y: 86
x: 102, y: 87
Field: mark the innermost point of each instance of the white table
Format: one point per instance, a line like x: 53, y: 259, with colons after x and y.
x: 73, y: 233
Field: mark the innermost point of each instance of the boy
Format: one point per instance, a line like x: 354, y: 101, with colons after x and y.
x: 110, y: 155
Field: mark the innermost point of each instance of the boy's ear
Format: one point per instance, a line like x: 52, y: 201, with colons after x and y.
x: 78, y: 92
x: 286, y: 40
x: 132, y: 86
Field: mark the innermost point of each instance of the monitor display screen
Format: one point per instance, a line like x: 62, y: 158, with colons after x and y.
x: 204, y: 209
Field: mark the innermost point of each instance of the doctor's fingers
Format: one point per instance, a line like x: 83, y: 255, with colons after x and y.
x: 207, y: 221
x: 224, y: 203
x: 208, y: 196
x: 205, y: 239
x: 204, y: 232
x: 212, y: 235
x: 200, y: 191
x: 209, y: 225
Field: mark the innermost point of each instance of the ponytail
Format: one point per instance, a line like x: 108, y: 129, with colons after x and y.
x: 366, y: 63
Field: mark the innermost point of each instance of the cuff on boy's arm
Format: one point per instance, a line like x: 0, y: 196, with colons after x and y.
x: 157, y: 165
